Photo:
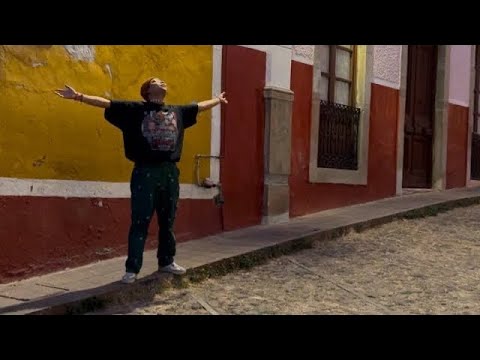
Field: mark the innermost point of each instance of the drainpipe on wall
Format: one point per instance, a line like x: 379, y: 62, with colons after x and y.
x: 207, y: 183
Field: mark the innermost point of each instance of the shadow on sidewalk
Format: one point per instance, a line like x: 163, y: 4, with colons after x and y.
x: 83, y: 301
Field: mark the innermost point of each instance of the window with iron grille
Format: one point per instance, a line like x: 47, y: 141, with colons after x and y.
x: 339, y: 118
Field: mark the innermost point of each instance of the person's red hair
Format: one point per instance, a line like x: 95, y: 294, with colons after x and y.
x: 144, y: 89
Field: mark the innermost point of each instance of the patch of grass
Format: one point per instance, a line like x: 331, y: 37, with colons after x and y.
x: 85, y: 306
x: 247, y: 261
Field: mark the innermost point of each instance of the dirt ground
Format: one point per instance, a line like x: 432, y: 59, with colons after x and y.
x: 423, y: 266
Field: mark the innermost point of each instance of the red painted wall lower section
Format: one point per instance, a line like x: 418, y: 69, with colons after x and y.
x: 457, y: 146
x: 306, y: 197
x: 243, y: 126
x: 40, y: 235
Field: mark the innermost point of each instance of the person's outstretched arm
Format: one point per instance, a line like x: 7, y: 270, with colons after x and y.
x: 69, y: 93
x: 208, y: 104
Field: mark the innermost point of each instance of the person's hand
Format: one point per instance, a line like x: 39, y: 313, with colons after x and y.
x: 67, y: 93
x: 222, y: 98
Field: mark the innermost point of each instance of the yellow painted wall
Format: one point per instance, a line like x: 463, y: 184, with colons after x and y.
x: 360, y: 74
x: 45, y: 137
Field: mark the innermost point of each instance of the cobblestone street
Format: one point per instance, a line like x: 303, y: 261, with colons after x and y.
x: 423, y: 266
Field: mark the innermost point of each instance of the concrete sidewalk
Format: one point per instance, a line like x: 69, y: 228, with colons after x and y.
x: 83, y: 289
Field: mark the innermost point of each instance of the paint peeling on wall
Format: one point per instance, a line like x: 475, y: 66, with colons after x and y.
x: 109, y: 70
x: 81, y: 52
x: 303, y: 53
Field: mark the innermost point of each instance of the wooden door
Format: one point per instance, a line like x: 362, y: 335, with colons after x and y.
x: 419, y: 116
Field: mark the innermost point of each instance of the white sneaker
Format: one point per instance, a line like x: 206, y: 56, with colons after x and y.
x: 173, y: 269
x: 129, y: 278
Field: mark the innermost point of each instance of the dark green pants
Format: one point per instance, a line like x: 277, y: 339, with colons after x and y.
x: 153, y: 188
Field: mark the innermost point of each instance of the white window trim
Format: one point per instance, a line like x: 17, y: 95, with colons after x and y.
x: 337, y: 176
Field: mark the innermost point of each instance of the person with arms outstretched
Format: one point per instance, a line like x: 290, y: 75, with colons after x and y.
x: 153, y: 138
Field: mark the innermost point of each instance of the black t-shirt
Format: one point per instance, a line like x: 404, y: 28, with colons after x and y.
x: 152, y: 133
